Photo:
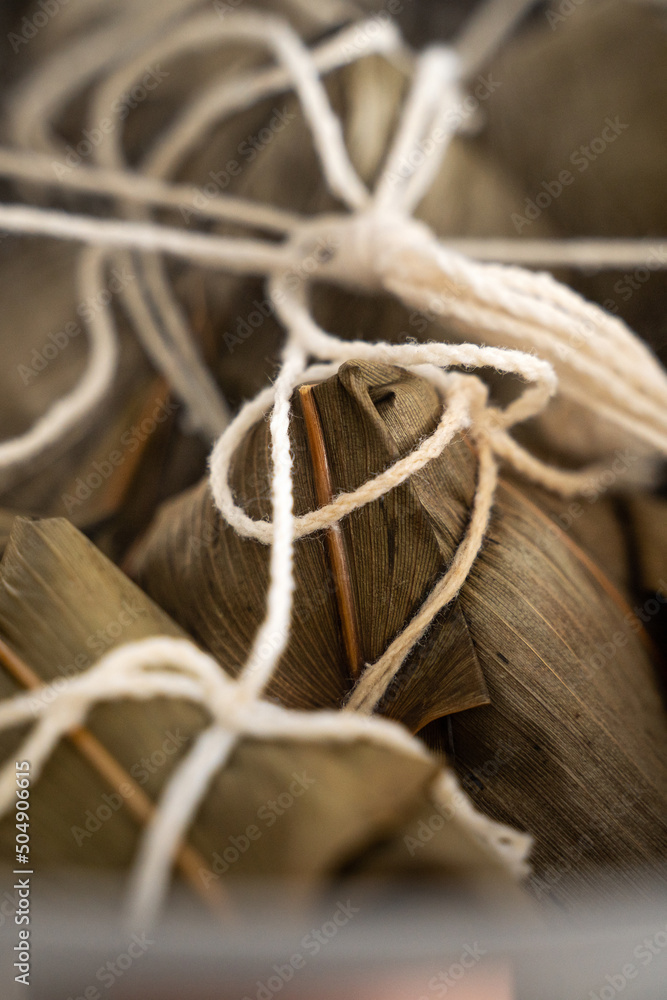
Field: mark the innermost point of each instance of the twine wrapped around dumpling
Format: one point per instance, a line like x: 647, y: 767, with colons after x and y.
x: 395, y: 550
x: 523, y: 638
x: 302, y: 796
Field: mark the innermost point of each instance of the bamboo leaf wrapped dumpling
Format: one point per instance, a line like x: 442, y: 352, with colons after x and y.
x: 514, y: 660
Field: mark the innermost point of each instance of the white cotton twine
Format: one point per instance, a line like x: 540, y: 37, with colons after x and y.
x: 527, y: 324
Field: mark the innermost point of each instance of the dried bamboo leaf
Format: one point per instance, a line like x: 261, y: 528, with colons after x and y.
x: 108, y: 474
x: 62, y: 605
x: 544, y: 73
x: 215, y: 583
x: 593, y: 523
x: 281, y: 807
x: 101, y: 486
x: 566, y: 663
x: 7, y: 518
x: 612, y: 143
x: 573, y: 688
